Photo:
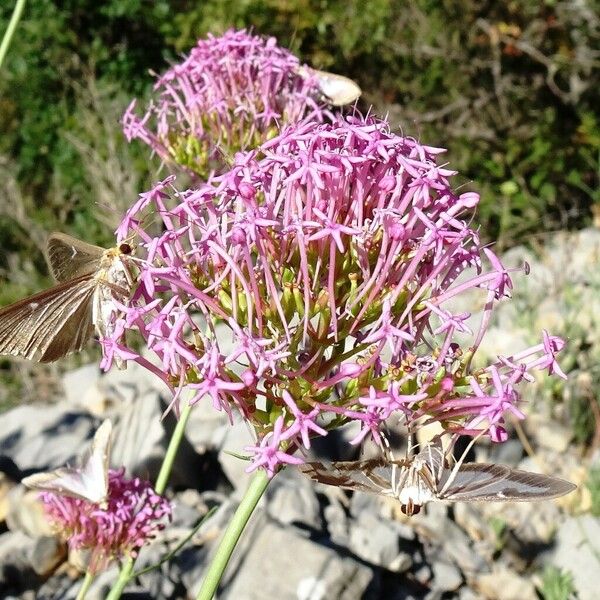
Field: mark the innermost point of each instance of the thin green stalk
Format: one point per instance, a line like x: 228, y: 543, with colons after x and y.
x: 123, y: 580
x: 85, y: 586
x: 256, y: 489
x: 169, y: 459
x: 10, y: 30
x: 161, y: 483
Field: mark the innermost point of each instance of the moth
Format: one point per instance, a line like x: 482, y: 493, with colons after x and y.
x: 337, y: 89
x: 88, y: 480
x: 53, y: 323
x: 427, y: 477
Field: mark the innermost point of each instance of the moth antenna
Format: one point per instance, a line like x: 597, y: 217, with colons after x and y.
x: 385, y: 446
x: 398, y: 485
x: 524, y: 440
x: 438, y: 468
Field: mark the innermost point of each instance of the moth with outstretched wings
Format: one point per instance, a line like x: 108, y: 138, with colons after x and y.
x: 88, y: 480
x: 427, y: 477
x: 53, y: 323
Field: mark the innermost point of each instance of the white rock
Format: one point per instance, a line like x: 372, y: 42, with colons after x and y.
x: 446, y: 577
x: 503, y: 584
x: 234, y: 438
x: 576, y: 550
x: 41, y: 437
x: 76, y: 383
x: 270, y: 549
x: 26, y: 513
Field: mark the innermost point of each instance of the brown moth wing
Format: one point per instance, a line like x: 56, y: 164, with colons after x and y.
x: 70, y: 258
x: 498, y: 483
x: 50, y: 324
x: 73, y: 333
x: 372, y: 475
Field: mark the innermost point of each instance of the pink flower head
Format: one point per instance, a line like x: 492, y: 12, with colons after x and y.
x: 306, y: 288
x: 231, y: 93
x: 133, y: 514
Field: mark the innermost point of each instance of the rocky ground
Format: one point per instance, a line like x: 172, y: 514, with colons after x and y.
x: 308, y: 542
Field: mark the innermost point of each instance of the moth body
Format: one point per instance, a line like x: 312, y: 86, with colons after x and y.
x: 337, y: 89
x: 114, y: 282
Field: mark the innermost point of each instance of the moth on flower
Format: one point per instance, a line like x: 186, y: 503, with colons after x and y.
x: 338, y: 90
x: 88, y: 480
x: 98, y: 509
x: 428, y: 476
x: 53, y: 323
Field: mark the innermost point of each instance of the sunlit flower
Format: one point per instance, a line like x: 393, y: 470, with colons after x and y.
x: 231, y: 93
x: 306, y: 288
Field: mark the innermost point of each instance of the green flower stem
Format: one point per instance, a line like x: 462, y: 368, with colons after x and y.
x: 161, y: 483
x: 123, y: 580
x: 256, y: 489
x: 85, y: 586
x: 169, y: 459
x: 10, y: 30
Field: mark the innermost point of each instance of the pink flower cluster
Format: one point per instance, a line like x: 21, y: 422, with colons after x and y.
x: 133, y: 514
x: 230, y: 94
x: 309, y: 286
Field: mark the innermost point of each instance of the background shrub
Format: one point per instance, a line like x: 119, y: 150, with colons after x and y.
x: 510, y: 88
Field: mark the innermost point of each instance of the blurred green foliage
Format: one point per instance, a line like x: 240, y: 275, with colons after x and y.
x: 593, y: 484
x: 510, y: 88
x: 557, y: 584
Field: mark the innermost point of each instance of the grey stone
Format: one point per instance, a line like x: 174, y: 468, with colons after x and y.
x: 186, y: 509
x: 66, y: 588
x: 311, y: 571
x: 77, y: 382
x: 16, y: 574
x: 135, y: 378
x: 466, y: 593
x: 577, y: 550
x: 403, y: 562
x: 474, y: 522
x: 509, y: 453
x: 337, y: 523
x: 446, y: 576
x: 158, y: 582
x: 548, y: 434
x: 335, y: 445
x: 45, y: 437
x: 6, y: 486
x: 291, y: 499
x: 47, y: 553
x: 448, y: 538
x: 207, y: 427
x: 139, y: 438
x: 368, y: 503
x: 504, y: 584
x: 26, y: 513
x: 233, y: 439
x: 423, y: 574
x: 375, y: 540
